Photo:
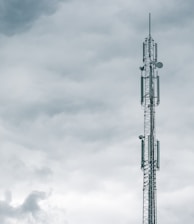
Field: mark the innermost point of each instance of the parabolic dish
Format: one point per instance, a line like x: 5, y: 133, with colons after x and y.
x: 159, y: 65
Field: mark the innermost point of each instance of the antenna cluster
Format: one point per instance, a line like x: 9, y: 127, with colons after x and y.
x: 150, y: 146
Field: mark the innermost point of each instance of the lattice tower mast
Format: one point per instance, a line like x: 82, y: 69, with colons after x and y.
x: 150, y: 146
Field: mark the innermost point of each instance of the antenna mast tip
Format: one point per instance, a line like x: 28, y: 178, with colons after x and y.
x: 150, y: 24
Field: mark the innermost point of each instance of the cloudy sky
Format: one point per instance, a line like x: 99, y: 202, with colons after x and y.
x: 70, y: 112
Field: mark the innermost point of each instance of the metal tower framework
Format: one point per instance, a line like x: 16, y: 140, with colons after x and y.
x: 150, y: 146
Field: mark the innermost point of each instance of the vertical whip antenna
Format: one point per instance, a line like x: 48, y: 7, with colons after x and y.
x: 149, y: 24
x: 150, y: 146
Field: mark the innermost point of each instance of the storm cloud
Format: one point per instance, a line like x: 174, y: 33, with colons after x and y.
x: 29, y: 207
x: 17, y: 16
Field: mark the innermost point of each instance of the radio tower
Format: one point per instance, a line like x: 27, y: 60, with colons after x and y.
x: 150, y: 146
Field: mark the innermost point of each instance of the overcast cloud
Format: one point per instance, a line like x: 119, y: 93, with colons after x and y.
x: 70, y: 113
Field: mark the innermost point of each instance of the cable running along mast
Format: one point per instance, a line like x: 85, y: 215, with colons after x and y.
x: 150, y: 146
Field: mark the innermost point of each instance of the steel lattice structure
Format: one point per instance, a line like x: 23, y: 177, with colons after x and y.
x: 150, y: 146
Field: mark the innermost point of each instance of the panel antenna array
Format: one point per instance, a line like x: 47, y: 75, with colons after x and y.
x: 150, y: 146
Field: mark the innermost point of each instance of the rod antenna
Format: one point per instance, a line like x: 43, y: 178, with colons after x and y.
x: 149, y: 24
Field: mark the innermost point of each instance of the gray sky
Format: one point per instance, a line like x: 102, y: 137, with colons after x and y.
x: 70, y: 113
